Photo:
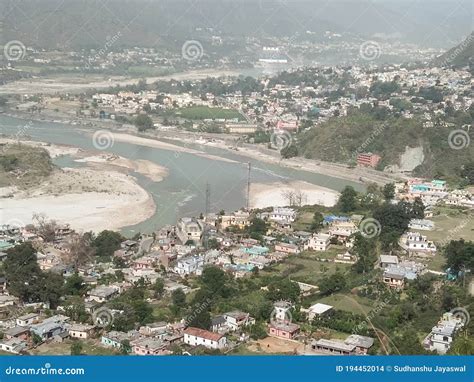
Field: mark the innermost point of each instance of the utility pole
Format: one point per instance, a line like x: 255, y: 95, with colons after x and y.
x: 248, y: 186
x: 206, y: 214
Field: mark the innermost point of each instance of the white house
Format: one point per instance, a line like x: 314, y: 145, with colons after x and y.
x: 237, y: 320
x: 318, y: 310
x: 27, y: 319
x: 283, y: 215
x: 319, y: 242
x: 196, y: 337
x: 189, y: 229
x: 415, y: 243
x: 189, y: 265
x: 442, y: 335
x: 102, y: 293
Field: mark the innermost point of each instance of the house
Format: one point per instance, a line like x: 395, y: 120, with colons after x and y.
x: 443, y: 334
x: 342, y: 230
x: 189, y: 265
x: 286, y: 330
x: 345, y: 258
x: 283, y: 215
x: 362, y: 343
x: 19, y: 332
x: 236, y: 320
x: 368, y: 159
x: 291, y: 249
x: 27, y: 319
x: 81, y: 331
x: 150, y: 346
x: 421, y: 224
x: 49, y: 328
x: 394, y: 278
x: 8, y: 301
x: 156, y: 329
x: 102, y: 293
x: 318, y: 310
x: 318, y: 242
x: 239, y: 219
x: 386, y: 261
x: 416, y: 244
x: 114, y: 339
x: 13, y: 345
x: 196, y: 337
x: 219, y: 324
x: 337, y: 347
x: 189, y: 229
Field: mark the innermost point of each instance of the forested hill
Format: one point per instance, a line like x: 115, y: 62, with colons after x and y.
x: 459, y: 56
x: 341, y: 139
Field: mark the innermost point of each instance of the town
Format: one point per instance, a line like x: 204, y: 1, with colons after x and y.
x: 301, y: 280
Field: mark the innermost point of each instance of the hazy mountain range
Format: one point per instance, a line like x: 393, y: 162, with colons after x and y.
x: 87, y: 23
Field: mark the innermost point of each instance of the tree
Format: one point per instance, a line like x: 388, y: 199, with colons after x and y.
x: 258, y: 331
x: 80, y: 249
x: 317, y: 222
x: 143, y: 122
x: 27, y: 281
x: 125, y: 347
x: 75, y: 285
x: 348, y: 200
x: 460, y: 255
x: 284, y: 289
x: 388, y: 191
x: 200, y: 317
x: 76, y: 348
x: 289, y: 152
x: 407, y: 343
x: 417, y: 209
x: 394, y: 221
x: 158, y: 287
x: 365, y: 250
x: 106, y: 243
x: 216, y: 282
x: 179, y: 298
x: 467, y: 172
x: 332, y: 284
x: 257, y: 228
x: 46, y: 229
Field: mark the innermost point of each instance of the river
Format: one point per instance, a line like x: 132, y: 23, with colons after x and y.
x: 183, y: 191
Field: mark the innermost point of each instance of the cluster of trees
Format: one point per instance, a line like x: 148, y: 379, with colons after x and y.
x: 27, y: 281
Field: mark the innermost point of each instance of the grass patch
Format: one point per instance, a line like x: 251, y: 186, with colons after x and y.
x: 348, y: 303
x: 205, y: 112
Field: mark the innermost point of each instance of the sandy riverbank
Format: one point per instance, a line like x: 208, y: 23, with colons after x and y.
x: 88, y: 200
x: 102, y: 196
x: 152, y: 171
x: 70, y: 83
x: 277, y: 194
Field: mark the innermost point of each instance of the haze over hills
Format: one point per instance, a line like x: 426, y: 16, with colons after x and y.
x: 86, y: 23
x: 460, y: 55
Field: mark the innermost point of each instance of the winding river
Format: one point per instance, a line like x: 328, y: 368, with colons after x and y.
x: 183, y: 191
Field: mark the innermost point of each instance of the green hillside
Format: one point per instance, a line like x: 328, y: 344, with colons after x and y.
x: 23, y: 165
x: 459, y: 56
x: 341, y: 139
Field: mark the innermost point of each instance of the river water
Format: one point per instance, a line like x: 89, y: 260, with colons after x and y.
x: 183, y: 191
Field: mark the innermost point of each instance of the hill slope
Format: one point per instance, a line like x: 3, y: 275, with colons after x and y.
x: 341, y: 139
x: 459, y: 56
